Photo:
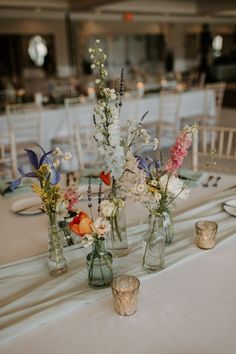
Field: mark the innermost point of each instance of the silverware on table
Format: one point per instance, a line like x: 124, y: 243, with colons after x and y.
x: 215, y: 184
x: 206, y: 184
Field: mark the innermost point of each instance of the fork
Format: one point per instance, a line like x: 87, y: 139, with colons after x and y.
x: 208, y: 181
x: 215, y: 184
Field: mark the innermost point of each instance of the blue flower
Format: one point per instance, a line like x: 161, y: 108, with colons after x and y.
x: 36, y: 163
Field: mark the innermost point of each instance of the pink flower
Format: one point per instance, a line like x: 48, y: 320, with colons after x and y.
x: 72, y: 195
x: 179, y: 151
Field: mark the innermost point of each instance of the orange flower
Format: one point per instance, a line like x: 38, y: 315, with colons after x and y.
x: 106, y: 178
x: 81, y: 224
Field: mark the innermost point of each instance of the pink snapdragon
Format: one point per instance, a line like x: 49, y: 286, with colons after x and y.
x: 180, y: 150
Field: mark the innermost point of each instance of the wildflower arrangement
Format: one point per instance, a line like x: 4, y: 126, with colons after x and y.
x: 45, y: 170
x: 112, y: 146
x: 93, y: 231
x: 88, y: 228
x: 154, y: 184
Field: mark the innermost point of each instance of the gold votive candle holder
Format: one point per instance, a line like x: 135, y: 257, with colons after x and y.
x: 125, y: 289
x: 206, y: 234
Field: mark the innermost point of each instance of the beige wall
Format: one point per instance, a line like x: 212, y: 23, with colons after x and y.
x: 35, y: 26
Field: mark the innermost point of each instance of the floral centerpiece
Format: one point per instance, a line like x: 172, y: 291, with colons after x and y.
x: 94, y: 232
x: 157, y: 187
x: 113, y: 147
x: 56, y: 202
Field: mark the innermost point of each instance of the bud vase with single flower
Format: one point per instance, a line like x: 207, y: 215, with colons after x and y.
x: 154, y: 253
x: 56, y: 261
x: 117, y: 241
x: 99, y: 264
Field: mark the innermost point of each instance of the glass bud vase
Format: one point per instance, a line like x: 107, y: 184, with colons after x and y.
x: 117, y: 242
x: 56, y: 261
x: 154, y: 252
x: 99, y: 264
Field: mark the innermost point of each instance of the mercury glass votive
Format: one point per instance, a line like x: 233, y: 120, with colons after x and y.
x: 206, y: 234
x: 125, y: 289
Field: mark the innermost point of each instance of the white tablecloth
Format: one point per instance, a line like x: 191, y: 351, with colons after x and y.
x: 187, y: 308
x: 54, y: 121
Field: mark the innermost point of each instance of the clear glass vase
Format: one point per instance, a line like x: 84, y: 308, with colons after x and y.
x: 154, y: 252
x: 99, y: 264
x: 67, y: 237
x: 56, y: 261
x: 117, y: 241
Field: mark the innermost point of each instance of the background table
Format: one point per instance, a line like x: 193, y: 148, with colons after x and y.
x: 54, y: 121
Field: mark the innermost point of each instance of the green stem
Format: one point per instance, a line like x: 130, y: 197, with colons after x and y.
x: 149, y: 240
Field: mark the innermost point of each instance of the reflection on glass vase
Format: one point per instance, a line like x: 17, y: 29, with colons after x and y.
x: 117, y: 241
x: 154, y: 253
x: 56, y: 261
x: 166, y: 223
x: 99, y: 264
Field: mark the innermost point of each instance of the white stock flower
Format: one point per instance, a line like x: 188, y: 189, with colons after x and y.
x: 107, y: 208
x: 97, y: 41
x: 92, y: 66
x: 97, y: 81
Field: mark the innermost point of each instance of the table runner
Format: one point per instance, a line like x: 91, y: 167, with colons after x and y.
x: 30, y: 297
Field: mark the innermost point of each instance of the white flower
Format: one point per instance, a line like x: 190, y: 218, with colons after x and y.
x: 61, y: 210
x: 92, y: 66
x: 87, y: 240
x: 175, y: 186
x: 97, y: 41
x: 107, y: 208
x: 101, y: 226
x: 97, y: 81
x: 155, y: 142
x: 67, y: 156
x: 154, y: 182
x: 90, y: 50
x: 92, y: 56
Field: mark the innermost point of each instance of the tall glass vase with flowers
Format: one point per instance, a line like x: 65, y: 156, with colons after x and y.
x: 45, y: 170
x: 157, y: 187
x: 114, y: 146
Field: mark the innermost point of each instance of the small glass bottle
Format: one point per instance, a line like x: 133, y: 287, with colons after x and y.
x: 154, y: 253
x: 99, y: 264
x: 56, y: 261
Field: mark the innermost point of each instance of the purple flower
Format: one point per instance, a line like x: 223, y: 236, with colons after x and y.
x: 148, y: 165
x: 36, y: 162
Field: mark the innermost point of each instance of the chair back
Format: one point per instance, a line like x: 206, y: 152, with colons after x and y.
x: 24, y: 120
x: 86, y: 147
x: 220, y: 139
x: 219, y: 90
x: 77, y: 113
x: 8, y: 162
x: 169, y: 118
